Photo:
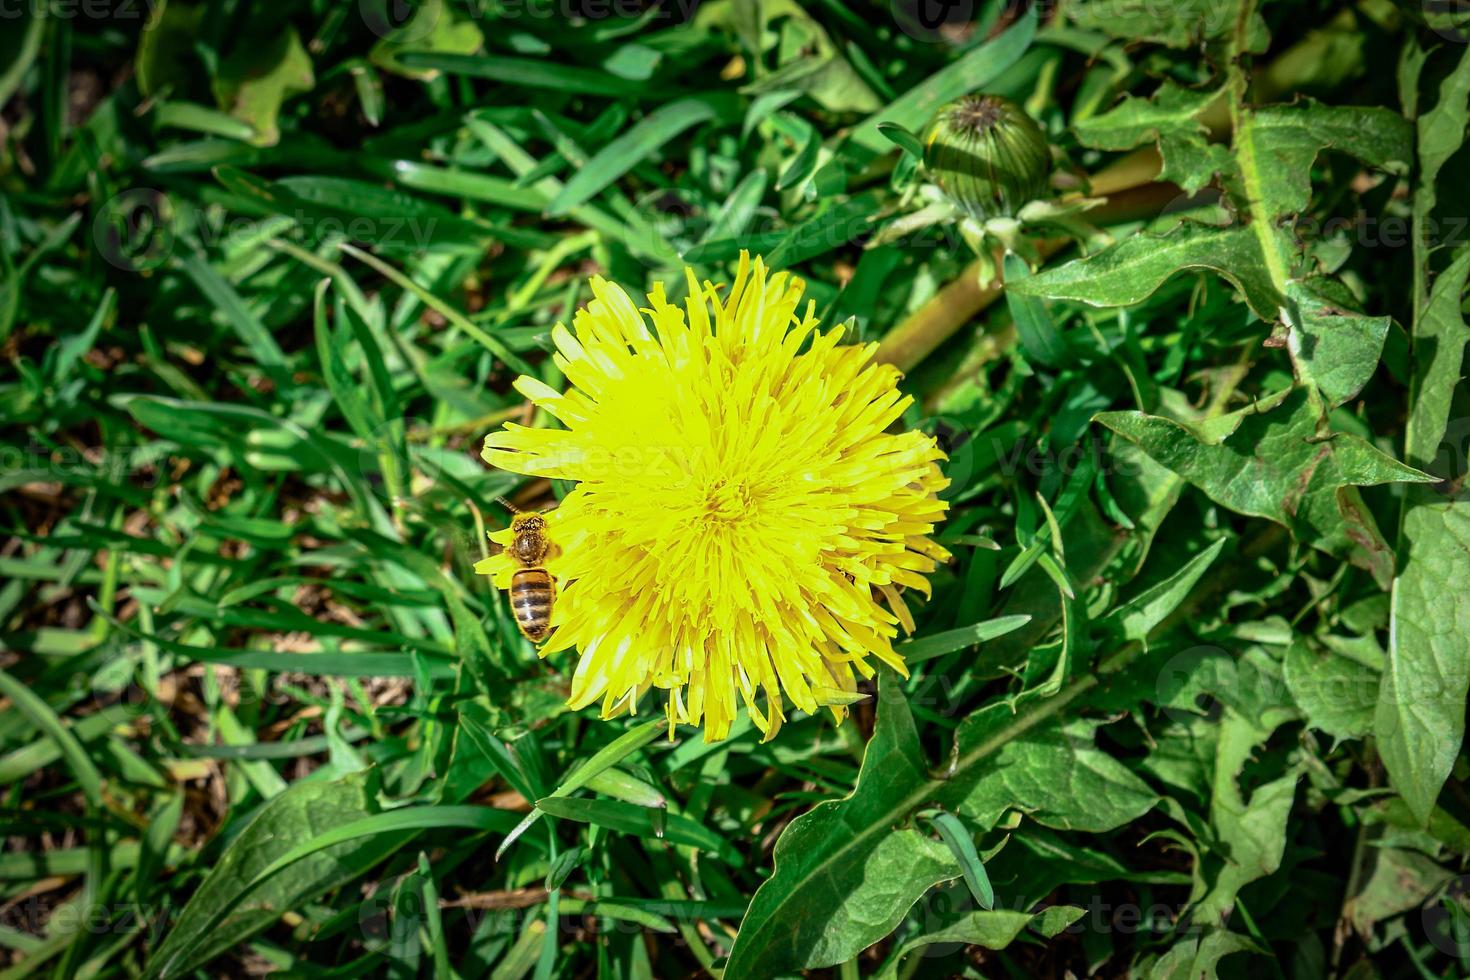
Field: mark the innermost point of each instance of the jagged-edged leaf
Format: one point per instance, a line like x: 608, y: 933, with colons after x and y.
x: 1440, y: 335
x: 1130, y: 271
x: 1274, y: 148
x: 1277, y: 144
x: 1332, y: 346
x: 1267, y: 172
x: 1197, y: 959
x: 1277, y: 460
x: 1249, y: 826
x: 1170, y: 117
x: 1441, y: 133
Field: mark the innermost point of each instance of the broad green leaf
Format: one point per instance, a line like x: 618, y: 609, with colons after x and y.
x: 824, y: 858
x: 1420, y: 718
x: 1440, y: 334
x: 1332, y: 346
x: 226, y: 910
x: 1057, y: 776
x: 257, y: 79
x: 1441, y: 133
x: 1275, y: 146
x: 1277, y: 460
x: 1279, y: 144
x: 847, y: 858
x: 1335, y: 686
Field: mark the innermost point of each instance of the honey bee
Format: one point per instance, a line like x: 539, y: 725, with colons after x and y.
x: 532, y: 588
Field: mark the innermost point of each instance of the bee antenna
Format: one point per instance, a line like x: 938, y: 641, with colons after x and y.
x: 508, y: 505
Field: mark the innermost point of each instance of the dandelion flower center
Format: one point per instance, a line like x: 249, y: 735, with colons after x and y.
x: 742, y: 522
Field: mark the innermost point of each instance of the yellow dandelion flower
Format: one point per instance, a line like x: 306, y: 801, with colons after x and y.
x: 742, y: 522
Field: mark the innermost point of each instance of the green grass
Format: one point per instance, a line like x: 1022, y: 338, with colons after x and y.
x: 1189, y: 701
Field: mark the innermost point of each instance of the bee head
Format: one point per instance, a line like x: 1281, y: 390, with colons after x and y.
x: 528, y: 522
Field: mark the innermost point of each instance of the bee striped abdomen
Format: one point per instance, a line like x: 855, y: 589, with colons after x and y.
x: 531, y: 592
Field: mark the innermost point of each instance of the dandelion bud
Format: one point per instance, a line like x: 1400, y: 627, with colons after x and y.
x: 988, y: 155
